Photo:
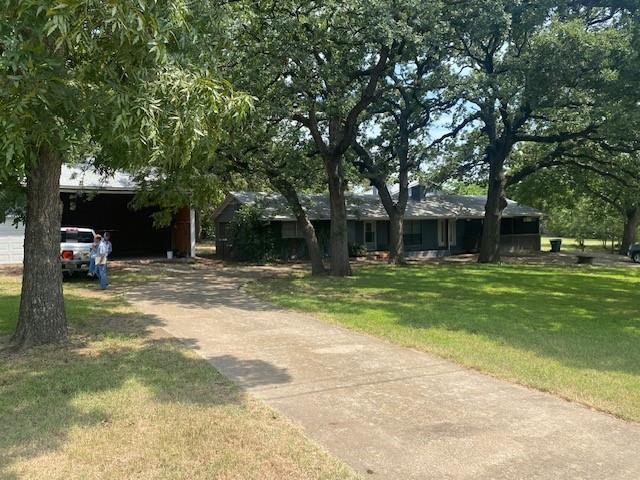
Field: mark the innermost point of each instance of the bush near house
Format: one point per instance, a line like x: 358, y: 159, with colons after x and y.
x: 357, y: 250
x: 252, y: 237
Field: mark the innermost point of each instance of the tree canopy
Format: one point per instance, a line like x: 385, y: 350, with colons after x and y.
x: 113, y: 82
x: 487, y: 92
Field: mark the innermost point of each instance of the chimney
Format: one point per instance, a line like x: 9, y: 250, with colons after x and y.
x: 417, y: 192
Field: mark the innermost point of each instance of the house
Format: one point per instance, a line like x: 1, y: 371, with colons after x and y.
x: 435, y: 224
x: 11, y: 242
x: 103, y: 203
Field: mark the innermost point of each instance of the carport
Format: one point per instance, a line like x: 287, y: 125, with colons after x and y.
x: 103, y: 203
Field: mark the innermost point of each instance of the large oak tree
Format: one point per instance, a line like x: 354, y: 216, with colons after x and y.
x: 532, y: 73
x: 324, y: 63
x: 393, y: 142
x: 98, y: 79
x: 285, y: 160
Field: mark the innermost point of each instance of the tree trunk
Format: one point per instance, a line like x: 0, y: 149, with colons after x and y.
x: 395, y: 209
x: 395, y: 212
x: 496, y: 203
x: 396, y: 241
x: 42, y: 316
x: 315, y: 255
x: 308, y: 231
x: 340, y: 266
x: 631, y: 224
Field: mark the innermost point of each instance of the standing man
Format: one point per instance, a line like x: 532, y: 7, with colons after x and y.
x: 101, y: 262
x: 93, y: 252
x: 107, y: 238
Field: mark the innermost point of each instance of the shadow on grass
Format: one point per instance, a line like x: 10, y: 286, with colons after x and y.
x: 200, y: 288
x: 109, y: 350
x: 9, y: 305
x: 587, y: 318
x: 582, y: 317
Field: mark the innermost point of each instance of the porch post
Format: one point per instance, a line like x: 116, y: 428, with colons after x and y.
x: 192, y: 232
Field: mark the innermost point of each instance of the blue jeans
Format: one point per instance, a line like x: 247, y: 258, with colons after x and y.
x: 92, y: 266
x: 102, y: 275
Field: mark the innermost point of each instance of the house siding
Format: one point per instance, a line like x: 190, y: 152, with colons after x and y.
x: 429, y: 235
x: 351, y: 232
x: 227, y: 213
x: 223, y: 242
x: 460, y: 228
x: 517, y: 234
x: 429, y: 230
x: 382, y: 235
x: 523, y: 242
x: 359, y: 225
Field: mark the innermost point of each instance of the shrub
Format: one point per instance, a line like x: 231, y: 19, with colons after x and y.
x: 357, y: 250
x: 251, y: 236
x: 207, y: 225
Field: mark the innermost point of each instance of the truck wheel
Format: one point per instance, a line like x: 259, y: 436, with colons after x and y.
x: 636, y: 257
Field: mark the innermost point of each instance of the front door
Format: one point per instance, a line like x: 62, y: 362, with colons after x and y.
x: 370, y: 235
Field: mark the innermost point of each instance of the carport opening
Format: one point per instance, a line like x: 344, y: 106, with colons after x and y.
x: 132, y: 231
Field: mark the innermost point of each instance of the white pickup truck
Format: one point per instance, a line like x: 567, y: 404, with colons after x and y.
x: 75, y: 249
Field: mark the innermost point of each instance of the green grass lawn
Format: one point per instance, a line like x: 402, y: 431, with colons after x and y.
x: 571, y: 331
x: 124, y: 400
x: 571, y: 244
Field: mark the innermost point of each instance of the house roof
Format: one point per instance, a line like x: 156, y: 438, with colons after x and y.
x: 369, y: 207
x: 86, y: 178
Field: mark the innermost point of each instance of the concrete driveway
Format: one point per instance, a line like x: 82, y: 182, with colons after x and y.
x: 388, y: 411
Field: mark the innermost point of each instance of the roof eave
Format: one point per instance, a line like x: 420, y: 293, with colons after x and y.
x: 71, y: 189
x: 225, y: 203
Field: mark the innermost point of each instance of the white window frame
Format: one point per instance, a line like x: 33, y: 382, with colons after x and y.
x: 442, y: 232
x: 452, y: 232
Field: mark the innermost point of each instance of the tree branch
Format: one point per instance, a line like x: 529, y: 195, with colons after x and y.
x: 556, y: 138
x: 455, y: 131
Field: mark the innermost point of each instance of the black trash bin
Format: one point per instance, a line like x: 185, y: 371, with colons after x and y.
x: 555, y: 244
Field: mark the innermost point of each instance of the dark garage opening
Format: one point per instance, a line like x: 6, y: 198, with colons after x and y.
x: 132, y: 231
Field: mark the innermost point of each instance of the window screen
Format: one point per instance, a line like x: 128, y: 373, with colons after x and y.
x: 412, y: 233
x: 369, y: 233
x: 452, y: 232
x: 75, y: 236
x: 442, y: 233
x: 291, y: 230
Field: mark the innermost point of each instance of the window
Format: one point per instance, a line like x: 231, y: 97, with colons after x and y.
x: 452, y: 232
x: 412, y: 234
x: 291, y: 230
x: 75, y: 236
x: 506, y: 226
x: 369, y: 233
x: 525, y: 226
x: 447, y: 232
